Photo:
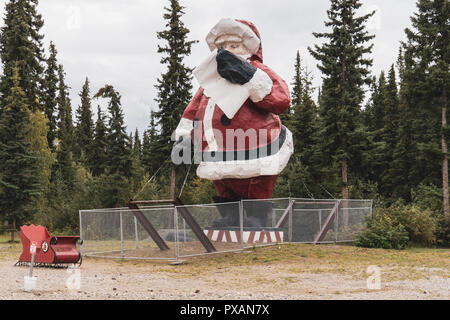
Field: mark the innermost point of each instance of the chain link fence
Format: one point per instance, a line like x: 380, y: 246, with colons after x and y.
x: 169, y: 232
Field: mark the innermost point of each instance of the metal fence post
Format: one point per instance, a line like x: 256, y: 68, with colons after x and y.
x: 136, y: 232
x: 81, y: 232
x: 337, y: 226
x: 241, y: 222
x: 371, y: 212
x: 290, y: 226
x: 184, y: 231
x: 320, y: 219
x: 274, y: 218
x: 121, y: 235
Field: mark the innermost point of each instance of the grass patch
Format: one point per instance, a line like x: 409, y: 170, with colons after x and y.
x: 346, y: 260
x: 9, y: 250
x: 6, y: 238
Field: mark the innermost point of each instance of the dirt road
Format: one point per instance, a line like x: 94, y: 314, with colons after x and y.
x: 284, y: 272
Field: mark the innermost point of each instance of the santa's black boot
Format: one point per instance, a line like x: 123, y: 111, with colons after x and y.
x: 229, y: 213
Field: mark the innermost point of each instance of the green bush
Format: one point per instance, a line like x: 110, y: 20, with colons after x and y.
x: 383, y: 232
x: 397, y: 226
x: 419, y: 223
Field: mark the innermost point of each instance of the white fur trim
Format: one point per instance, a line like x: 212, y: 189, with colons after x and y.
x: 242, y: 169
x: 232, y: 27
x: 227, y: 38
x: 207, y: 126
x: 184, y: 128
x: 259, y: 86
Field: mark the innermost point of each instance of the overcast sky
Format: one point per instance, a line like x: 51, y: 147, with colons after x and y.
x: 114, y: 41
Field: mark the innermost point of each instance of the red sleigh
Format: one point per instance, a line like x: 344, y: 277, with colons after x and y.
x: 50, y: 251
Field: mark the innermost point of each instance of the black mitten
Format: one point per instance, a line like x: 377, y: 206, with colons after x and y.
x: 234, y: 68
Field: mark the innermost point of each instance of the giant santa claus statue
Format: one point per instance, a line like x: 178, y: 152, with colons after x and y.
x: 233, y: 118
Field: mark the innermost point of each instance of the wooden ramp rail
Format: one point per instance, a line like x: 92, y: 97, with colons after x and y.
x: 194, y: 226
x: 147, y: 225
x: 184, y: 212
x: 285, y: 215
x: 328, y: 222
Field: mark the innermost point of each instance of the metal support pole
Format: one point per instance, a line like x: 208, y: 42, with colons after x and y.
x: 175, y: 222
x: 371, y: 206
x: 136, y: 232
x: 31, y: 265
x: 241, y: 222
x: 121, y: 235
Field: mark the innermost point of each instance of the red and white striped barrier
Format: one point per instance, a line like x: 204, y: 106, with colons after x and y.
x: 248, y: 236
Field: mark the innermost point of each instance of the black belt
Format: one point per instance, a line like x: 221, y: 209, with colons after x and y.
x: 251, y: 154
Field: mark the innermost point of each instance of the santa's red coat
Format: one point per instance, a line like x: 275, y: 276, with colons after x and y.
x: 258, y: 114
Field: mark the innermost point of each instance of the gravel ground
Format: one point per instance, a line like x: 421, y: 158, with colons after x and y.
x: 106, y: 279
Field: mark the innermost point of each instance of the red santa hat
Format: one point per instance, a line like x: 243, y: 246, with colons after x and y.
x: 237, y: 31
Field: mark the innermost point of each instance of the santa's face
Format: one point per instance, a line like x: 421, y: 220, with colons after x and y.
x: 233, y: 44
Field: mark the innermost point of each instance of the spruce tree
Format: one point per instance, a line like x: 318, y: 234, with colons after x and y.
x: 304, y: 118
x: 99, y: 157
x: 145, y: 148
x: 297, y: 84
x: 374, y: 116
x: 296, y: 93
x: 119, y: 164
x: 118, y: 142
x: 146, y: 154
x: 18, y: 181
x: 389, y: 136
x: 174, y: 86
x: 50, y: 90
x: 427, y: 60
x: 300, y: 177
x: 137, y: 169
x: 381, y: 120
x: 64, y: 155
x: 65, y: 121
x: 137, y: 148
x: 149, y: 147
x: 85, y: 126
x: 405, y: 152
x: 345, y: 71
x: 376, y: 111
x: 21, y: 43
